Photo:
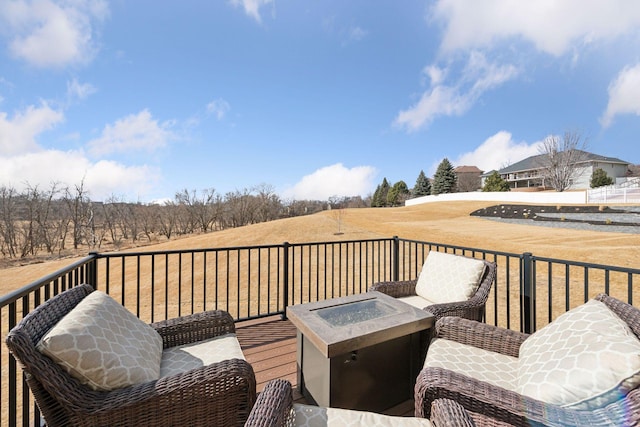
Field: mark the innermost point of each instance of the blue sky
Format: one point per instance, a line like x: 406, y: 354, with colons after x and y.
x: 141, y: 99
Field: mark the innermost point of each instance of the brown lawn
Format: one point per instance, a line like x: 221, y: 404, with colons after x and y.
x: 446, y: 222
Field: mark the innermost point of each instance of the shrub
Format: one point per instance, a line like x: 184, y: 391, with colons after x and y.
x: 494, y: 182
x: 599, y: 178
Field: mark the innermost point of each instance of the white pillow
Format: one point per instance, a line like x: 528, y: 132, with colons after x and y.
x: 104, y: 345
x: 449, y: 278
x: 585, y: 359
x: 314, y: 416
x: 186, y: 357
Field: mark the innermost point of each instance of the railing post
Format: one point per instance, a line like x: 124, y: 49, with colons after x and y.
x: 92, y: 273
x: 285, y: 281
x: 527, y: 300
x: 13, y: 366
x: 396, y: 259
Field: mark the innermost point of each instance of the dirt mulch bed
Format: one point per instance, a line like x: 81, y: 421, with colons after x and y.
x: 595, y: 215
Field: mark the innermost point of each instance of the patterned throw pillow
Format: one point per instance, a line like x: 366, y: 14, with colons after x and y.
x: 104, y: 345
x: 449, y: 278
x: 585, y: 359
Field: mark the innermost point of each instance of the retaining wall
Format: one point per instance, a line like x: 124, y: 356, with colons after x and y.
x: 542, y: 197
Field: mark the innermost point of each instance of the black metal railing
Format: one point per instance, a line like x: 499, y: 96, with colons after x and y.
x: 257, y: 281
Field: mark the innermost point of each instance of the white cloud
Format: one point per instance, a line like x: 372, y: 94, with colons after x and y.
x: 496, y: 29
x: 105, y: 178
x: 334, y: 180
x: 497, y: 152
x: 356, y: 34
x: 252, y: 7
x: 48, y: 33
x: 70, y: 168
x: 552, y: 26
x: 23, y: 161
x: 624, y: 95
x: 436, y: 74
x: 18, y: 133
x: 132, y: 133
x: 477, y: 77
x: 79, y: 91
x: 219, y: 108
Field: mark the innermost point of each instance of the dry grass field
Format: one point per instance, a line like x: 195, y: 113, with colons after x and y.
x: 447, y: 223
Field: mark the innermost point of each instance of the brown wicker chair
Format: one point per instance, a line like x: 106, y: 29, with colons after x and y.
x: 221, y: 394
x: 492, y: 405
x: 274, y: 408
x: 473, y: 308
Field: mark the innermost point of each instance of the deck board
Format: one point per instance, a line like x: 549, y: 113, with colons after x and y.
x: 269, y: 345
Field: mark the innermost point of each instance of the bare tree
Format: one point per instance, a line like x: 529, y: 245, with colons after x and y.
x: 241, y: 208
x: 634, y: 170
x: 115, y: 223
x: 269, y: 203
x: 8, y: 220
x: 336, y: 205
x: 36, y: 221
x: 561, y: 159
x: 81, y: 212
x: 148, y: 216
x: 48, y: 219
x: 167, y: 219
x: 203, y: 211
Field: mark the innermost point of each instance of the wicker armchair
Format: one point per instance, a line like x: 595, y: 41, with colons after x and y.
x: 490, y: 404
x: 218, y: 394
x: 275, y: 408
x: 472, y: 308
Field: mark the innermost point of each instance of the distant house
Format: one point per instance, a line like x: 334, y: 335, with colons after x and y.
x: 527, y: 174
x: 468, y: 178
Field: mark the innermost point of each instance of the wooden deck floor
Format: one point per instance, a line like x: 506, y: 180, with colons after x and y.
x: 269, y: 345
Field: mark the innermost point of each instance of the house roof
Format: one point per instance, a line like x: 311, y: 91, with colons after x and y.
x: 535, y: 162
x: 467, y: 169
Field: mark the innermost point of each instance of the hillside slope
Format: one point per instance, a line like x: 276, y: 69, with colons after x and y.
x: 447, y: 223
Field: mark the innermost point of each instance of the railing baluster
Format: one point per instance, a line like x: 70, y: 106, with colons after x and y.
x: 285, y: 277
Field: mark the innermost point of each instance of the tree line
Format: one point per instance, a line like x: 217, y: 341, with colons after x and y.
x: 62, y: 219
x: 559, y: 161
x: 444, y: 180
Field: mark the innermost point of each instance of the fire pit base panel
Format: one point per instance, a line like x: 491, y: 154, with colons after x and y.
x: 372, y: 378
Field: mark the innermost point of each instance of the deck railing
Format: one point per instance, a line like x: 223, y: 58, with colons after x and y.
x: 257, y: 281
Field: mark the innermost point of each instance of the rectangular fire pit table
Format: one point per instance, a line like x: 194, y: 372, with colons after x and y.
x: 359, y: 352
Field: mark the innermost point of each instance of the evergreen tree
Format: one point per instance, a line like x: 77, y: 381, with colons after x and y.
x: 422, y: 187
x: 444, y: 180
x: 380, y: 195
x: 599, y: 178
x: 375, y: 199
x: 384, y: 191
x: 494, y: 182
x: 397, y: 194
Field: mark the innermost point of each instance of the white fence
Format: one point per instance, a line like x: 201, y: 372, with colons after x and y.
x: 612, y: 194
x: 542, y: 197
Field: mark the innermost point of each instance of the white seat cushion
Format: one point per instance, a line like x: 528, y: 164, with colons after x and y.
x: 449, y: 278
x: 178, y: 359
x: 314, y: 416
x: 585, y: 359
x: 416, y: 301
x: 103, y: 345
x: 494, y: 368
